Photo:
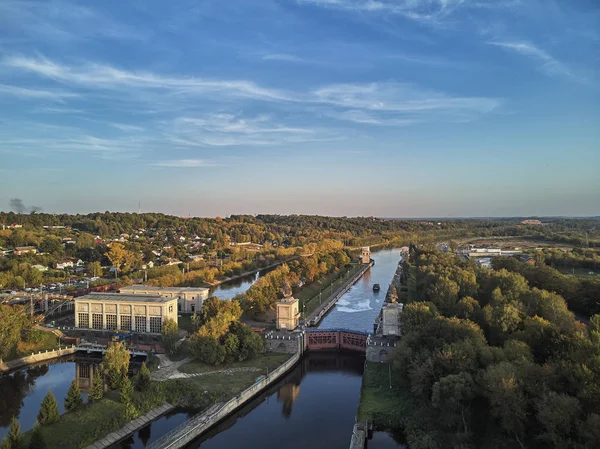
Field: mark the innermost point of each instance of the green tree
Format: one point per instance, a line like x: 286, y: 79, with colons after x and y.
x: 73, y: 399
x: 14, y: 320
x: 170, y: 335
x: 48, y: 413
x: 207, y: 349
x: 126, y: 394
x: 94, y: 269
x: 97, y: 390
x: 37, y: 440
x: 116, y: 361
x: 14, y: 437
x: 143, y: 378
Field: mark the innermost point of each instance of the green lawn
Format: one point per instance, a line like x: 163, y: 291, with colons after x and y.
x: 270, y: 360
x: 185, y: 322
x: 378, y: 403
x: 81, y: 428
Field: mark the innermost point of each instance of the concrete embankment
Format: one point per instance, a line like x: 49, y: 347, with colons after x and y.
x: 118, y: 435
x: 36, y: 358
x: 315, y: 318
x: 196, y: 426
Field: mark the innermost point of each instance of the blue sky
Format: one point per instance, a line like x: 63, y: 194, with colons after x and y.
x: 405, y: 108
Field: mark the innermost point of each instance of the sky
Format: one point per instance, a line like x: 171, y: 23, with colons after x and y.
x: 390, y: 108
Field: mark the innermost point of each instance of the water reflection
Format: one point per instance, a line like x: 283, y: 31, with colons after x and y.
x: 312, y: 406
x: 21, y: 392
x: 229, y: 289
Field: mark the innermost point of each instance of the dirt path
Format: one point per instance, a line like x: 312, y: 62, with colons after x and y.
x: 170, y: 370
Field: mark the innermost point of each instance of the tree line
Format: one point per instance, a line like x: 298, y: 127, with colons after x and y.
x: 488, y: 360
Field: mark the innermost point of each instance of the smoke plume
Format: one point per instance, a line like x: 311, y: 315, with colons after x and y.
x: 17, y: 205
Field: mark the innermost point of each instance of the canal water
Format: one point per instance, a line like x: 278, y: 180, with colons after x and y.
x: 22, y: 392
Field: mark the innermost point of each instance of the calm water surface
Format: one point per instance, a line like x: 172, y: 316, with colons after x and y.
x: 22, y: 392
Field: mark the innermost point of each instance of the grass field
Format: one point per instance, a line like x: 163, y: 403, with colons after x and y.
x: 585, y: 272
x: 269, y: 360
x: 378, y: 403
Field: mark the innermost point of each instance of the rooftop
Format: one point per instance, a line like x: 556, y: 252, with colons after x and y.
x: 123, y: 297
x: 162, y: 289
x: 289, y: 300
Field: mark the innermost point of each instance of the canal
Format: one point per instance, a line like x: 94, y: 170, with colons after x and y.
x: 313, y: 406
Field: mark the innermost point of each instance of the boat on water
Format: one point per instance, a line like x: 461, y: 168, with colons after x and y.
x: 376, y: 287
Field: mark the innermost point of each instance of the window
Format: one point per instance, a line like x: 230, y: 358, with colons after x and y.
x: 97, y: 321
x: 170, y: 309
x: 193, y: 307
x: 155, y: 324
x: 84, y: 320
x: 84, y: 370
x: 140, y: 323
x: 125, y: 322
x: 111, y: 322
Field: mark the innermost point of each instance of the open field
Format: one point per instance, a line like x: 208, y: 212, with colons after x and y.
x: 584, y: 272
x: 512, y: 243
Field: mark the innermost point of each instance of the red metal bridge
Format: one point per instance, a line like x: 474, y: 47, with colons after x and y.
x: 337, y: 339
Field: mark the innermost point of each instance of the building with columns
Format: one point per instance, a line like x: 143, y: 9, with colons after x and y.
x: 143, y: 314
x: 189, y: 299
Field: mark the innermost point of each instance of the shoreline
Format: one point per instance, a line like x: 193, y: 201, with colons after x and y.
x: 248, y: 273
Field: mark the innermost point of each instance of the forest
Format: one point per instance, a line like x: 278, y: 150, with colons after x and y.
x: 488, y: 360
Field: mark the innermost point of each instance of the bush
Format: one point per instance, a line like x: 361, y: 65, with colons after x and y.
x: 34, y: 336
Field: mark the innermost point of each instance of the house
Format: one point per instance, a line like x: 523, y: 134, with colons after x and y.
x: 484, y: 262
x: 196, y: 257
x: 172, y: 262
x: 150, y: 264
x: 63, y: 264
x: 531, y: 222
x: 98, y: 239
x: 527, y: 259
x: 15, y: 226
x: 20, y: 250
x: 79, y: 263
x: 40, y: 267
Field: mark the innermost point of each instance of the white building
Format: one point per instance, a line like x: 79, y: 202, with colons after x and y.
x: 64, y: 264
x: 189, y: 299
x: 115, y: 311
x: 391, y: 313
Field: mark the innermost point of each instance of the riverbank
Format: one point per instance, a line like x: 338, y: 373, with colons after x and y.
x: 196, y: 426
x: 38, y: 357
x: 249, y: 273
x: 325, y: 305
x: 379, y: 403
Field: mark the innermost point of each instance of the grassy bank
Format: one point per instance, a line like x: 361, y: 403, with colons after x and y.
x: 224, y: 385
x: 94, y: 421
x: 49, y: 341
x: 383, y: 406
x: 309, y: 295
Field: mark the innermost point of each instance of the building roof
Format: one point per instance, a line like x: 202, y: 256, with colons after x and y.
x: 121, y: 297
x: 289, y: 300
x: 164, y: 289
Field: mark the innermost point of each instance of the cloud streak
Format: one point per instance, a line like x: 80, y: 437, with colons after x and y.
x: 547, y: 63
x: 184, y: 163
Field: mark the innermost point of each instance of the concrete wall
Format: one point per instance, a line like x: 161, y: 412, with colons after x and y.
x: 287, y: 344
x: 202, y: 422
x: 35, y: 358
x: 380, y: 351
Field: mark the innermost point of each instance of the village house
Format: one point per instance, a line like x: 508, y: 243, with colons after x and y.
x: 20, y: 250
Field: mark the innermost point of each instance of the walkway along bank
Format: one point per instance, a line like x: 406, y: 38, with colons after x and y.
x: 315, y: 318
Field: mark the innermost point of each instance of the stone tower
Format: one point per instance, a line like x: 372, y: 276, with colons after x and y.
x: 365, y: 256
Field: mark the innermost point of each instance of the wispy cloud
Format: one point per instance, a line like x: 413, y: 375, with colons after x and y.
x: 59, y: 21
x: 284, y: 57
x: 21, y: 92
x: 230, y: 130
x: 184, y: 163
x: 547, y: 63
x: 108, y: 77
x: 124, y: 127
x: 399, y: 97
